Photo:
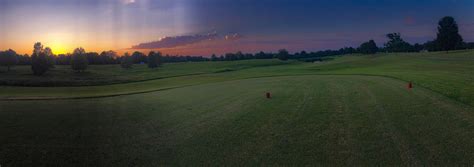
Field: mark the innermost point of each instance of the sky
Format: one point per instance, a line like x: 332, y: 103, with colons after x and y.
x: 205, y: 27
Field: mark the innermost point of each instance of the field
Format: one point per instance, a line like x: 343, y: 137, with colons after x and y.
x: 62, y: 76
x: 354, y: 110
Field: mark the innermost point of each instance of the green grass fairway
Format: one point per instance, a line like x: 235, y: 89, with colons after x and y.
x: 311, y: 120
x: 351, y: 111
x: 451, y: 74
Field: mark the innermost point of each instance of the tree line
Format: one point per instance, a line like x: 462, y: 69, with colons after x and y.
x: 447, y: 38
x: 42, y: 58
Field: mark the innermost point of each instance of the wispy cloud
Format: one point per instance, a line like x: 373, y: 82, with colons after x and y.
x: 233, y: 36
x: 176, y: 41
x: 128, y: 1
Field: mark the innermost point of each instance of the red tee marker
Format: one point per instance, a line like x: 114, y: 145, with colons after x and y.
x: 410, y: 85
x: 269, y: 96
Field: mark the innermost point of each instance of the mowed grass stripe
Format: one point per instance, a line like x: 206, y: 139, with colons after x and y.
x: 317, y: 120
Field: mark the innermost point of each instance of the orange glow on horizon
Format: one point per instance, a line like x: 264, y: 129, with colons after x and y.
x: 63, y: 42
x: 59, y: 48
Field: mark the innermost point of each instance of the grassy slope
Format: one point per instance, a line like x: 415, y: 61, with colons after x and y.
x: 327, y: 120
x: 188, y: 74
x: 451, y: 74
x: 113, y: 74
x: 313, y: 119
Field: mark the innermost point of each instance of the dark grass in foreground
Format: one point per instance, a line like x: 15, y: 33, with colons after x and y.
x: 311, y: 120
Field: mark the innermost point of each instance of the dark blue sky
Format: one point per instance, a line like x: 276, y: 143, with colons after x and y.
x: 259, y: 24
x: 335, y: 18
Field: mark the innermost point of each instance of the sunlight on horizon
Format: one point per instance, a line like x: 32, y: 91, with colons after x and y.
x: 60, y: 43
x: 59, y: 48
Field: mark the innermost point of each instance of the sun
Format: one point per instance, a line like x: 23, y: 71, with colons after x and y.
x: 59, y: 42
x: 58, y: 47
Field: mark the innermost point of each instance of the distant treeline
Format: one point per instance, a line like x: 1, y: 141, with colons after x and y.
x: 110, y: 57
x: 42, y: 59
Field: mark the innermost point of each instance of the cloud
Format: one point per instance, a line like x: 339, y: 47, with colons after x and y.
x: 232, y: 37
x: 128, y: 1
x: 176, y: 41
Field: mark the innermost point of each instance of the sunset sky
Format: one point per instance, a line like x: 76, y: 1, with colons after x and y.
x: 203, y: 27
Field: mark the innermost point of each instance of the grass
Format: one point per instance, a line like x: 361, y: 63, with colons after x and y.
x: 311, y: 120
x: 451, y: 74
x: 63, y: 76
x: 353, y: 110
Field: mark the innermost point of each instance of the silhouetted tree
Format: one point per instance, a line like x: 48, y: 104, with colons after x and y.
x: 397, y: 44
x: 368, y: 47
x: 63, y: 59
x: 469, y: 45
x: 24, y: 59
x: 79, y: 60
x: 139, y: 57
x: 248, y: 56
x: 94, y: 58
x: 239, y: 55
x: 110, y: 57
x: 174, y: 59
x: 8, y: 58
x: 431, y: 46
x: 260, y: 55
x: 417, y: 47
x: 283, y: 54
x: 349, y: 50
x: 39, y: 60
x: 448, y: 37
x: 154, y: 59
x: 230, y: 57
x: 50, y: 56
x: 214, y: 57
x: 302, y: 54
x: 126, y: 61
x: 263, y: 55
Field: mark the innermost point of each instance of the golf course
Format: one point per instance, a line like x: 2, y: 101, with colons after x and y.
x: 350, y: 110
